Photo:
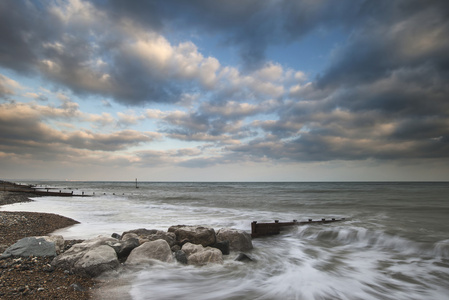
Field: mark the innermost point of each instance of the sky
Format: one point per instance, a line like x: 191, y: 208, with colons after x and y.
x: 224, y: 90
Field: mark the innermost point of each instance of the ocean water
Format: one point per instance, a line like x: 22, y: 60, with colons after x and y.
x: 394, y: 243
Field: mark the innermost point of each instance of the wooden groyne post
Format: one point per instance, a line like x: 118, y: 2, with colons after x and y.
x: 264, y: 229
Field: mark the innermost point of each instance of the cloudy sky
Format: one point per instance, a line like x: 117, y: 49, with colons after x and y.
x: 225, y: 90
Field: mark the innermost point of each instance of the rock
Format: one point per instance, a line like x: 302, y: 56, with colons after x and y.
x: 57, y: 239
x: 243, y: 257
x: 85, y: 258
x: 77, y: 287
x: 199, y: 255
x: 175, y: 248
x: 239, y: 240
x: 194, y: 234
x: 127, y: 246
x: 115, y: 244
x: 116, y: 236
x: 96, y: 261
x: 92, y: 243
x: 148, y: 235
x: 190, y: 248
x: 139, y: 232
x: 123, y: 247
x: 149, y: 251
x: 181, y: 257
x: 30, y: 246
x: 207, y: 256
x: 129, y: 235
x: 222, y: 246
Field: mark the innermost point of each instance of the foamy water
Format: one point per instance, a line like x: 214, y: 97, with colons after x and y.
x: 395, y: 244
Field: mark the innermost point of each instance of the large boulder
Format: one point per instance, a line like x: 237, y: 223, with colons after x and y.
x: 30, y: 246
x: 200, y: 256
x: 190, y: 248
x: 207, y: 256
x: 96, y: 261
x: 239, y: 240
x: 148, y: 235
x: 90, y: 257
x: 150, y: 251
x: 194, y: 234
x: 58, y: 240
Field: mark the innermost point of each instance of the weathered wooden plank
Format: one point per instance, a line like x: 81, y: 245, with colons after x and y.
x: 264, y: 229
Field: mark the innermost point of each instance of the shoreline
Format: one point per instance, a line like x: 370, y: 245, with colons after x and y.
x: 32, y: 277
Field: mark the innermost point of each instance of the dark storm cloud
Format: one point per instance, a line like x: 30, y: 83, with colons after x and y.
x: 82, y: 48
x: 402, y: 34
x: 22, y: 25
x: 243, y: 23
x: 382, y: 95
x: 409, y: 38
x: 249, y: 25
x: 87, y: 48
x: 392, y: 72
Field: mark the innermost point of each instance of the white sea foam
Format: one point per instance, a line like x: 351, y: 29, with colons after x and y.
x: 381, y: 252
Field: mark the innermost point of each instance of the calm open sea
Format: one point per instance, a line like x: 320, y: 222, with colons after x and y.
x: 394, y: 244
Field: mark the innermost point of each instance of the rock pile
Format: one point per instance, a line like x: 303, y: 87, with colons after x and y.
x: 193, y: 245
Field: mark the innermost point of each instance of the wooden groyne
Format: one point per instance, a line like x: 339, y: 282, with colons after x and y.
x: 29, y: 189
x: 264, y: 229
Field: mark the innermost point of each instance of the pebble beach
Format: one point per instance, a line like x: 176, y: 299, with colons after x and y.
x: 34, y: 277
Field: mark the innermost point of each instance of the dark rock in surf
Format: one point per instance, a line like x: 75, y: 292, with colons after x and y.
x: 116, y: 236
x: 222, y: 246
x: 127, y: 246
x: 181, y: 257
x: 243, y: 257
x: 175, y: 248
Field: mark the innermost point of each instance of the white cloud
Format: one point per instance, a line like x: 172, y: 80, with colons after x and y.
x: 8, y: 86
x: 128, y: 118
x: 270, y: 72
x: 104, y: 119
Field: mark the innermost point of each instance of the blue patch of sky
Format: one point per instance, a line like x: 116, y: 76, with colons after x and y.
x: 27, y: 85
x: 209, y: 45
x: 311, y: 54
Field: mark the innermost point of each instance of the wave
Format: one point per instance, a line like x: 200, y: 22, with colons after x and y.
x: 362, y: 238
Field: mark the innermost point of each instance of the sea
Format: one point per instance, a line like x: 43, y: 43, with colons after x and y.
x: 393, y: 244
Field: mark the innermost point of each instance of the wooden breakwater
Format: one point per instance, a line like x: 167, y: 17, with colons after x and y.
x: 264, y: 229
x: 29, y: 189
